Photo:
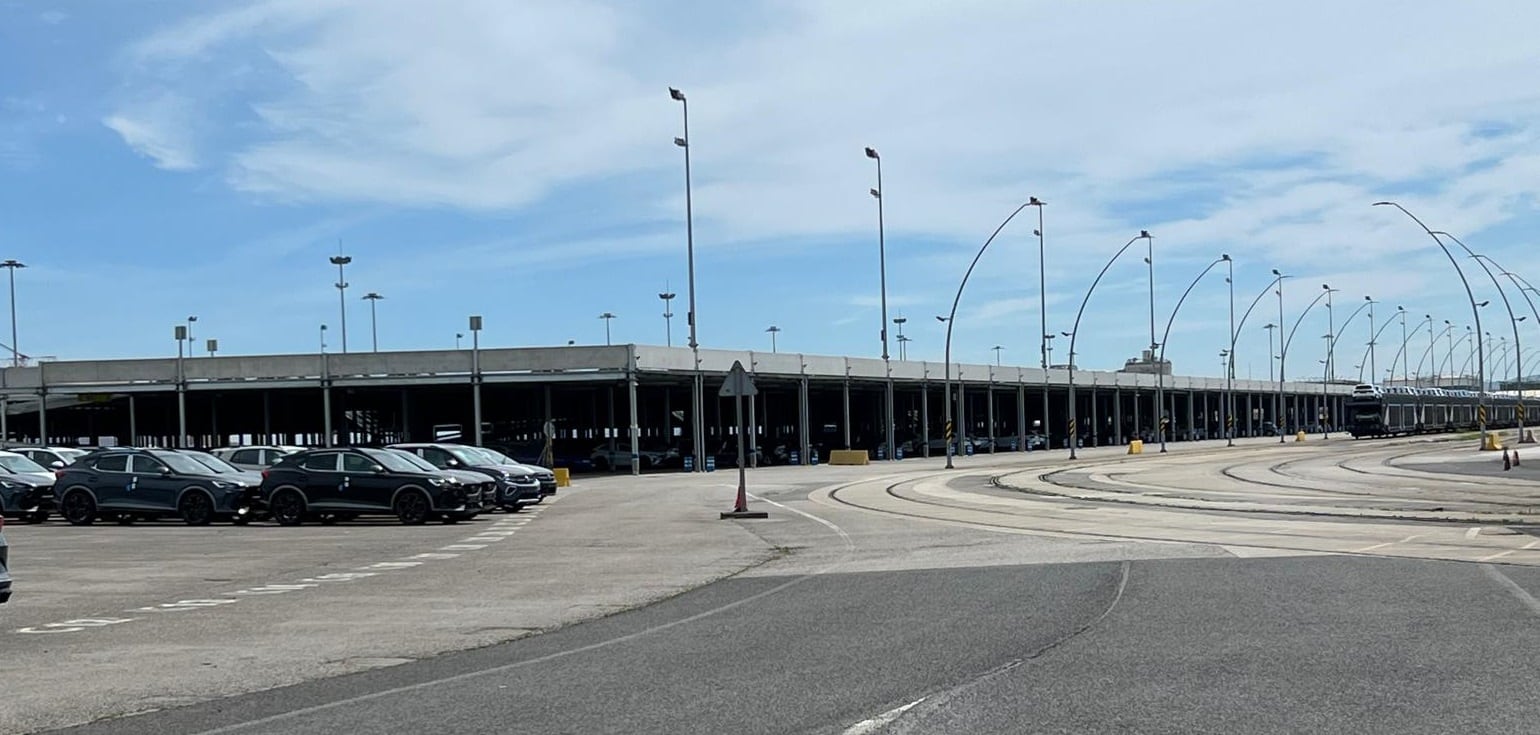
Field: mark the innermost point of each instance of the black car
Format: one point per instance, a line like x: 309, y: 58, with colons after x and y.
x: 516, y: 485
x: 26, y: 488
x: 5, y: 574
x: 352, y: 481
x: 131, y: 483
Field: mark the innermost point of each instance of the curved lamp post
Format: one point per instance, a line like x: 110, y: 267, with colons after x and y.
x: 1331, y: 351
x: 1075, y: 332
x: 1481, y: 371
x: 1368, y: 354
x: 1283, y: 350
x: 698, y: 379
x: 1482, y: 261
x: 1235, y: 329
x: 951, y: 319
x: 1160, y: 373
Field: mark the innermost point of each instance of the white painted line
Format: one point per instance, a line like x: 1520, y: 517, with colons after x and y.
x: 482, y: 539
x: 433, y: 555
x: 1513, y: 588
x: 1408, y: 539
x: 1498, y: 555
x: 462, y: 547
x: 1473, y: 532
x: 872, y: 725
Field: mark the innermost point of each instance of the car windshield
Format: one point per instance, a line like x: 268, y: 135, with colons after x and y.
x: 491, y: 455
x: 469, y: 455
x: 70, y: 455
x: 214, y: 463
x: 392, y: 461
x: 414, y: 460
x: 18, y: 463
x: 182, y: 464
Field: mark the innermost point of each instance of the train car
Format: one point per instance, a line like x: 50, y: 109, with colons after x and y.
x: 1374, y: 411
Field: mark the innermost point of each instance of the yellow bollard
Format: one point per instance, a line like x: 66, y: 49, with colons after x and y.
x: 1299, y: 437
x: 1136, y: 446
x: 563, y: 477
x: 1492, y: 443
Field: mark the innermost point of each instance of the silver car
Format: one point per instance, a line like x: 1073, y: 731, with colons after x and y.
x: 255, y: 458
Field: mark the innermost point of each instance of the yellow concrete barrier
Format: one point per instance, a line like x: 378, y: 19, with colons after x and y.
x: 849, y: 456
x: 563, y: 477
x: 1136, y: 446
x: 1492, y: 443
x: 1299, y: 437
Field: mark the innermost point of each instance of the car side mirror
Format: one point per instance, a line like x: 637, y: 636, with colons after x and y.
x: 56, y: 464
x: 453, y: 463
x: 165, y: 472
x: 378, y: 469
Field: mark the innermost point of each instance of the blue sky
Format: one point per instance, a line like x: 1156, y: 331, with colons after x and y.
x: 515, y: 160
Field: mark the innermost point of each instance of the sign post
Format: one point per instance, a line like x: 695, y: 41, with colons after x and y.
x: 738, y: 386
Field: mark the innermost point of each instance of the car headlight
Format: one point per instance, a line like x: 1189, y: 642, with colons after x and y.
x: 437, y: 481
x: 222, y: 485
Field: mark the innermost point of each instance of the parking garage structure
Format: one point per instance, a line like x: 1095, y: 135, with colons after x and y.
x: 620, y: 398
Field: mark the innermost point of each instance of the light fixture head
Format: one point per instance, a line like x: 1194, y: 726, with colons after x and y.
x: 676, y: 94
x: 872, y: 153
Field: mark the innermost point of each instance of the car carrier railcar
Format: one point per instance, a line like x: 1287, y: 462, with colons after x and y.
x: 1403, y: 410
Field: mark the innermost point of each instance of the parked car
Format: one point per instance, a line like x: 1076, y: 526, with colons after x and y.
x: 618, y: 458
x: 516, y: 486
x: 130, y: 483
x: 51, y: 458
x: 219, y: 466
x: 26, y: 488
x: 350, y: 481
x: 546, y: 477
x: 255, y: 458
x: 5, y: 561
x: 477, y: 484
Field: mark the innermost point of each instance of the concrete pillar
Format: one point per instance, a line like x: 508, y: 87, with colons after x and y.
x: 1192, y: 424
x: 803, y: 422
x: 989, y: 413
x: 753, y: 428
x: 133, y: 427
x: 326, y: 413
x: 962, y: 415
x: 5, y: 418
x: 267, y: 417
x: 1138, y: 425
x: 846, y: 422
x: 925, y: 419
x: 636, y: 426
x: 1021, y: 418
x: 42, y: 417
x: 1095, y: 420
x: 1117, y: 414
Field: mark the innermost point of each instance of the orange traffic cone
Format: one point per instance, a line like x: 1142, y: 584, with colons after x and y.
x: 1515, y: 458
x: 1507, y: 462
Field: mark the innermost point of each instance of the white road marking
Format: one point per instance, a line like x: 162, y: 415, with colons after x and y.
x: 1513, y: 588
x: 462, y: 547
x: 434, y: 556
x: 1473, y: 532
x: 1408, y: 539
x: 872, y: 725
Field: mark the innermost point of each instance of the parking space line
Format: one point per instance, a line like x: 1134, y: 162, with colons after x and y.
x: 462, y: 547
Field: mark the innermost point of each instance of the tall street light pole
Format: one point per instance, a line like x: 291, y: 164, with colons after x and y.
x: 374, y: 332
x: 190, y: 322
x: 1331, y: 351
x: 1236, y: 327
x: 1279, y: 407
x: 181, y: 386
x: 1271, y: 356
x: 997, y: 349
x: 342, y: 298
x: 1160, y: 374
x: 951, y: 319
x: 773, y: 330
x: 607, y: 316
x: 668, y: 314
x: 1042, y: 312
x: 1229, y: 417
x: 901, y: 321
x: 698, y: 390
x: 1482, y: 261
x: 1471, y: 295
x: 882, y: 271
x: 1283, y: 351
x: 474, y: 323
x: 12, y: 265
x: 1074, y: 332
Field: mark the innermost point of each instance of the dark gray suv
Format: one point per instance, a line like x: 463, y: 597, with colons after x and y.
x: 5, y: 574
x: 128, y: 484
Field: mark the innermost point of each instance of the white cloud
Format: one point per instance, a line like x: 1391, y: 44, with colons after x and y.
x: 160, y: 128
x: 1191, y: 120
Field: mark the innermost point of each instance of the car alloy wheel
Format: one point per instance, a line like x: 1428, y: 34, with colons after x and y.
x: 79, y: 509
x: 288, y: 508
x: 196, y: 508
x: 412, y: 508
